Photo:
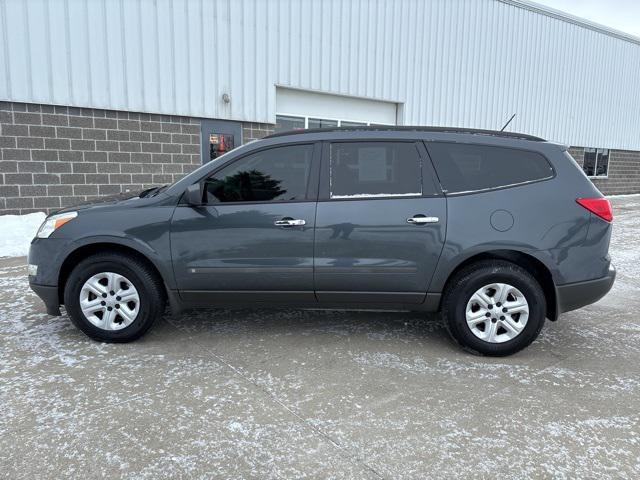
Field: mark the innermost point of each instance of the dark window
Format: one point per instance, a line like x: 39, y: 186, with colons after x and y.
x: 285, y: 123
x: 277, y: 174
x: 345, y: 123
x: 589, y: 163
x: 322, y: 123
x: 374, y: 169
x: 602, y: 166
x: 464, y: 168
x: 596, y: 162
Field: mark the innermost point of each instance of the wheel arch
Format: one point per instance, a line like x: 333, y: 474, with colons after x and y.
x: 530, y: 263
x: 88, y: 249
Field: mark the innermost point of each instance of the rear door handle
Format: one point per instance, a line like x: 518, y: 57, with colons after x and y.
x: 290, y: 222
x: 422, y: 219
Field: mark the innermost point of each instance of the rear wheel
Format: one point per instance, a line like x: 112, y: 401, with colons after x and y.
x: 113, y: 297
x: 494, y: 308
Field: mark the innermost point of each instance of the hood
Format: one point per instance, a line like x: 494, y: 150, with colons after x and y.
x: 109, y: 200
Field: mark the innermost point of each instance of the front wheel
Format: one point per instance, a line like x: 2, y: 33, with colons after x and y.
x: 494, y: 307
x: 113, y: 297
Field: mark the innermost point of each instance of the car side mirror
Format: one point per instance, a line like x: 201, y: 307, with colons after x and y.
x: 193, y: 195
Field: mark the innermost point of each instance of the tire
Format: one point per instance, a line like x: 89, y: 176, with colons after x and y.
x: 466, y: 298
x: 135, y: 280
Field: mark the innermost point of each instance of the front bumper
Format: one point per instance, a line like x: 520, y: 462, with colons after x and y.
x: 49, y: 295
x: 576, y: 295
x: 45, y: 259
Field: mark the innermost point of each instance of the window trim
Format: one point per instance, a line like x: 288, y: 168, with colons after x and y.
x: 312, y: 183
x: 427, y: 169
x: 595, y: 165
x: 490, y: 189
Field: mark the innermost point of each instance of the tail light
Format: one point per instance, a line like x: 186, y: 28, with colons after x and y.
x: 599, y: 206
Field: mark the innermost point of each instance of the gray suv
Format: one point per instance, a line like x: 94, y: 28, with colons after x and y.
x: 498, y: 231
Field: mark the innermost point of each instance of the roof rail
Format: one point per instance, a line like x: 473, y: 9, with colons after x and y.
x: 405, y: 128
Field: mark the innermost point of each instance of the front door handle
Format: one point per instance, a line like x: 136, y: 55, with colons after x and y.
x: 289, y: 222
x: 422, y: 219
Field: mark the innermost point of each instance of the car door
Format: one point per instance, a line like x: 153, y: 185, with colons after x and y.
x: 380, y: 222
x: 253, y: 236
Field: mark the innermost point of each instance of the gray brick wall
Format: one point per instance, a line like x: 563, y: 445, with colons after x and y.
x: 624, y: 171
x: 55, y: 156
x: 255, y: 131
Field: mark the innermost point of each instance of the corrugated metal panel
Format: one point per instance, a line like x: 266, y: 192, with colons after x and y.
x: 469, y: 63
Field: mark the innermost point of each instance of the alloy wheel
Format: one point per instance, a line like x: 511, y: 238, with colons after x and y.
x: 497, y: 313
x: 109, y: 301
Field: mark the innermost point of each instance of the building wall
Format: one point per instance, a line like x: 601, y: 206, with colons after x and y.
x: 624, y: 171
x: 465, y: 63
x: 52, y: 157
x: 256, y: 131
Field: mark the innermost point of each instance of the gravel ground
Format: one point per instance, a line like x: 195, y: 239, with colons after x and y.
x: 312, y: 394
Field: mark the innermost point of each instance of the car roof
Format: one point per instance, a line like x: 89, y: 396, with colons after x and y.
x: 404, y: 128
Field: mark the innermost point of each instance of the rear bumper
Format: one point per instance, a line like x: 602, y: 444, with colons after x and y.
x: 49, y: 295
x: 576, y: 295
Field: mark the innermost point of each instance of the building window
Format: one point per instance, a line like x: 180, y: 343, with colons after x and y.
x: 321, y: 123
x: 285, y: 123
x: 345, y: 123
x: 596, y: 162
x: 292, y: 122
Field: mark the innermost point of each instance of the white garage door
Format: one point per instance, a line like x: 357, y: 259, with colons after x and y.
x: 298, y: 109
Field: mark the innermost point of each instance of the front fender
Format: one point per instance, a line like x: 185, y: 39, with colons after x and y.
x: 158, y: 255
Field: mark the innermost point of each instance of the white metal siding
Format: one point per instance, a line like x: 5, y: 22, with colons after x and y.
x: 468, y: 63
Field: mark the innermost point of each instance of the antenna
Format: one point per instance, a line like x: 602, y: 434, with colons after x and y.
x: 508, y: 122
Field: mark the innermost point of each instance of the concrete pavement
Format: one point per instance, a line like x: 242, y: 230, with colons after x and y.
x: 313, y: 394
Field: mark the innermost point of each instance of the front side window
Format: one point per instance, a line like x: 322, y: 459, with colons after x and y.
x: 467, y: 168
x: 274, y: 175
x: 374, y: 169
x: 596, y: 162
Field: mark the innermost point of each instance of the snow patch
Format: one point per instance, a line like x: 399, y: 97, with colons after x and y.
x: 17, y: 231
x: 625, y: 195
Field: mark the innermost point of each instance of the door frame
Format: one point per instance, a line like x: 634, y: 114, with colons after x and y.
x: 431, y: 189
x: 190, y: 297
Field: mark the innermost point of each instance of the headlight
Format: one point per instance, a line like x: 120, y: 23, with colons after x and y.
x: 52, y: 223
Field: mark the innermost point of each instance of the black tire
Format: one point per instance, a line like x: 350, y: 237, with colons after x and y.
x: 144, y: 279
x: 473, y: 277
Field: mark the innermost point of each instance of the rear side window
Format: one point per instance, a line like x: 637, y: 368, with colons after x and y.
x: 468, y: 168
x: 374, y: 169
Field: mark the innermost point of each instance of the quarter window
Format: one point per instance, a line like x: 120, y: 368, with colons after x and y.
x: 374, y: 169
x: 467, y: 168
x: 274, y: 175
x: 596, y: 162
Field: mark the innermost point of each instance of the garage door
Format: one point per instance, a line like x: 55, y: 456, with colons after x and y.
x: 297, y: 109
